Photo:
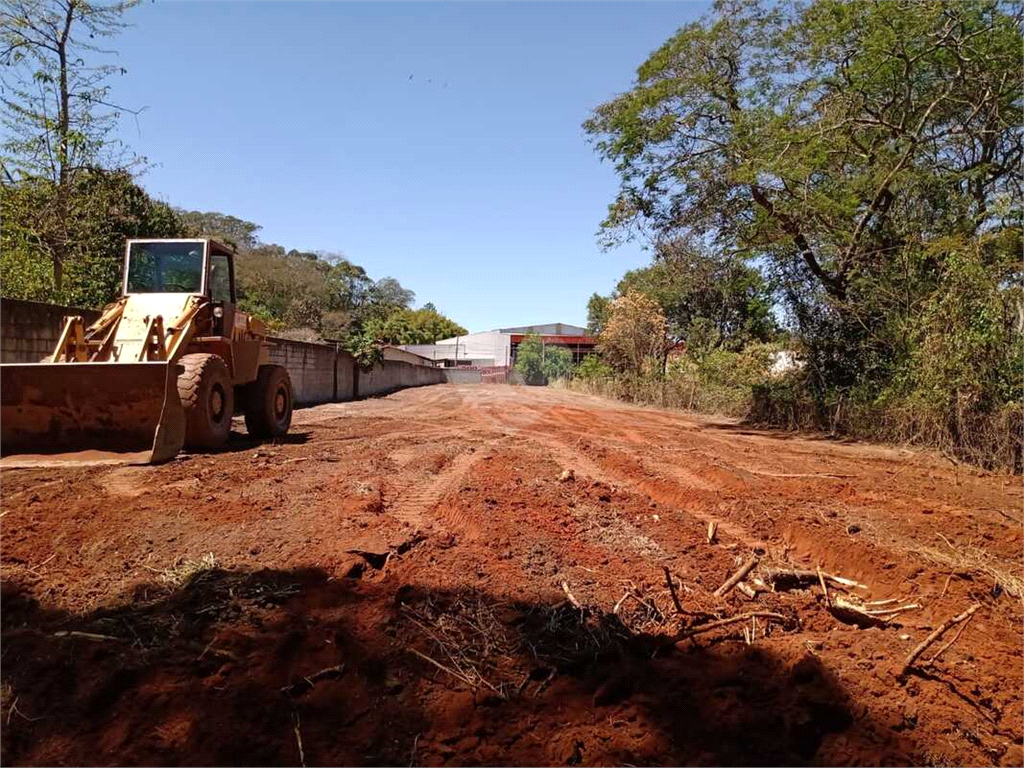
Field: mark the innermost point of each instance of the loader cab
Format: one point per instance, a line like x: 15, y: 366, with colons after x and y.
x: 204, y: 267
x: 201, y: 267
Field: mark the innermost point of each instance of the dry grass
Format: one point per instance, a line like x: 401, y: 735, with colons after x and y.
x: 504, y: 647
x: 184, y: 571
x: 467, y: 640
x: 989, y: 440
x: 975, y: 560
x: 676, y: 393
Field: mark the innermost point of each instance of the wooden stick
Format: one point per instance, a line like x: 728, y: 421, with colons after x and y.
x: 672, y: 589
x: 895, y: 609
x: 737, y: 577
x: 87, y: 636
x: 621, y: 601
x: 726, y: 622
x: 570, y: 595
x: 298, y: 737
x: 824, y: 588
x: 798, y: 577
x: 412, y: 757
x: 748, y: 591
x: 798, y: 474
x: 956, y: 637
x: 443, y: 668
x: 712, y: 531
x: 923, y: 646
x: 946, y: 585
x: 307, y: 683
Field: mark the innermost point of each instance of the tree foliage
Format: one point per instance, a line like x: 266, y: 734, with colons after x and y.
x: 557, y: 362
x: 88, y: 222
x: 709, y: 301
x: 539, y: 363
x: 598, y: 309
x: 530, y: 360
x: 57, y: 113
x: 808, y: 131
x: 56, y: 95
x: 635, y: 338
x: 867, y: 157
x: 593, y: 367
x: 238, y: 233
x: 413, y: 326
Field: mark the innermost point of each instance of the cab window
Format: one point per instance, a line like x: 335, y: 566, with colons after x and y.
x: 220, y: 278
x: 165, y: 267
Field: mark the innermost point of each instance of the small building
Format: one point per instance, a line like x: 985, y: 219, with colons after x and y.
x: 402, y: 355
x: 497, y: 348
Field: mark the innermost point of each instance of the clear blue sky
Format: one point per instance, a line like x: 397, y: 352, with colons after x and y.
x: 437, y: 143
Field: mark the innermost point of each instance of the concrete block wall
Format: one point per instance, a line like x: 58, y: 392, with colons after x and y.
x: 346, y: 372
x: 312, y: 368
x: 320, y: 373
x: 29, y: 330
x: 392, y: 375
x: 456, y: 376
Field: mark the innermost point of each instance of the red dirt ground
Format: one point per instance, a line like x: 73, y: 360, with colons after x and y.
x: 415, y: 547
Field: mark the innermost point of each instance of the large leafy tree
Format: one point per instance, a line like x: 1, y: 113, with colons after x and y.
x: 58, y: 113
x: 556, y: 363
x: 239, y: 233
x: 598, y: 309
x: 817, y: 132
x: 88, y: 221
x: 859, y: 151
x: 710, y: 301
x: 635, y: 338
x: 413, y: 326
x: 530, y: 360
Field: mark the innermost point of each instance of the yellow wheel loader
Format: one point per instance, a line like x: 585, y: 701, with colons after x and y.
x: 167, y: 365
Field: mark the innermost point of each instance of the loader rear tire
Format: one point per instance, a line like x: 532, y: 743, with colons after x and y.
x: 268, y: 406
x: 208, y: 398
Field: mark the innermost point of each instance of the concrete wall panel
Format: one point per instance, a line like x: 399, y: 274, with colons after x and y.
x: 455, y: 376
x: 310, y: 366
x: 29, y: 330
x: 393, y: 375
x: 320, y: 373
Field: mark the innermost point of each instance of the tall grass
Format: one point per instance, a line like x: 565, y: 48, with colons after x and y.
x: 992, y: 440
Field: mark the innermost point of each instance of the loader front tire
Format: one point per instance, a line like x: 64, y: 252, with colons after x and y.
x: 268, y: 406
x: 208, y: 399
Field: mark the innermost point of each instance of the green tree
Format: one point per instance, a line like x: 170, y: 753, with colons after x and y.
x: 556, y: 362
x: 710, y: 301
x: 239, y: 233
x: 593, y: 367
x: 598, y: 309
x: 386, y: 296
x: 530, y: 360
x: 413, y: 326
x: 101, y: 210
x: 797, y: 130
x: 854, y: 151
x: 57, y: 110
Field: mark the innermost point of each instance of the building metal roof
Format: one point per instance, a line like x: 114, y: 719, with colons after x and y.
x: 548, y: 329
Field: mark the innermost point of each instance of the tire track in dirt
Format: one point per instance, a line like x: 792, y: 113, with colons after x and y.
x: 412, y: 506
x: 665, y: 491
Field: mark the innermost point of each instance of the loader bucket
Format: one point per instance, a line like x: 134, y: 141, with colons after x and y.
x: 89, y: 413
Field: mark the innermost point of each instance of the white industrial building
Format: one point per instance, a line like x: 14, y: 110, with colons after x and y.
x: 497, y: 348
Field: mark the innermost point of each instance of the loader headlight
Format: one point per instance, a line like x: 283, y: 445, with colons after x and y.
x: 218, y: 312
